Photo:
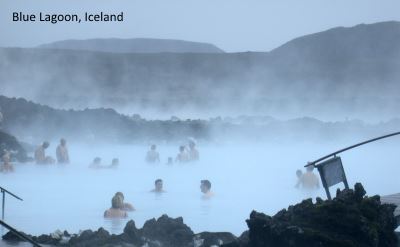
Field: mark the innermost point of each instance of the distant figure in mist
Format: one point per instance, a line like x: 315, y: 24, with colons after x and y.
x: 309, y: 181
x: 6, y: 167
x: 205, y: 187
x: 170, y: 161
x: 96, y: 163
x: 114, y: 163
x: 193, y: 152
x: 182, y: 156
x: 62, y: 152
x: 158, y: 186
x: 299, y: 175
x: 40, y: 155
x: 152, y: 155
x: 125, y: 206
x: 116, y: 209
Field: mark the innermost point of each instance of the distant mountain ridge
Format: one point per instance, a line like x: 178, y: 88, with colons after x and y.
x: 343, y: 70
x: 137, y: 45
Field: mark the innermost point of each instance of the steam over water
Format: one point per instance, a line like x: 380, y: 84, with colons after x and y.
x: 244, y: 177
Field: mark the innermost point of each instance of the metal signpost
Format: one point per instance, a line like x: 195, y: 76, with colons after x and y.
x: 332, y: 171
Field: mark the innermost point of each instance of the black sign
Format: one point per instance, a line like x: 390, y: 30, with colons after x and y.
x: 332, y: 173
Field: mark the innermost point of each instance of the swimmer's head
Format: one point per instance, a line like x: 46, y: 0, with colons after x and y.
x: 153, y: 147
x: 158, y: 184
x: 192, y: 144
x: 97, y: 160
x: 117, y: 202
x: 63, y: 142
x: 299, y: 173
x: 205, y: 186
x: 182, y: 148
x: 170, y: 160
x: 45, y: 144
x: 120, y: 194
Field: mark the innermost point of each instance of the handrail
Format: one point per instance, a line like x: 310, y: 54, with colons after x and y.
x: 10, y: 193
x: 19, y: 234
x: 350, y: 147
x: 3, y: 204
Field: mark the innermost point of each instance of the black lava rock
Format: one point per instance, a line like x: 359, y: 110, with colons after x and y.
x: 349, y: 220
x: 168, y: 232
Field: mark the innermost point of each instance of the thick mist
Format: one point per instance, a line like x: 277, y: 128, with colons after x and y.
x: 341, y: 73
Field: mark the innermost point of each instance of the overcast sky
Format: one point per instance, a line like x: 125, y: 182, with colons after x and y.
x: 232, y: 25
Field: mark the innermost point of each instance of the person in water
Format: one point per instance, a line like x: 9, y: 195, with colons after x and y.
x: 193, y: 152
x: 40, y: 155
x: 182, y: 156
x: 299, y: 175
x: 116, y: 209
x: 96, y: 163
x: 125, y: 206
x: 62, y: 152
x: 158, y: 186
x: 152, y: 155
x: 114, y: 163
x: 170, y: 161
x: 309, y: 180
x: 205, y: 187
x: 7, y: 166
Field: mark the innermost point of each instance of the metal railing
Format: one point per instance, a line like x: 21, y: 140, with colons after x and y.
x: 19, y: 234
x: 13, y: 230
x: 314, y: 163
x: 3, y: 204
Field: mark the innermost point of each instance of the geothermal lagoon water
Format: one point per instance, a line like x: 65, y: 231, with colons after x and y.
x: 244, y: 177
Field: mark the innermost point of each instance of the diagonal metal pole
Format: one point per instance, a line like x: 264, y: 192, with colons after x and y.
x: 19, y: 234
x: 3, y: 204
x: 351, y: 147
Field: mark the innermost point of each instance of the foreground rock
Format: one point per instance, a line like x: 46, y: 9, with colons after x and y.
x: 349, y: 220
x: 165, y: 232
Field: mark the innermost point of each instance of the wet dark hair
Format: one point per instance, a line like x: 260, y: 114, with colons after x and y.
x: 157, y: 180
x: 46, y: 144
x: 153, y: 147
x: 299, y: 173
x: 182, y: 148
x: 206, y: 183
x: 120, y: 194
x: 117, y: 202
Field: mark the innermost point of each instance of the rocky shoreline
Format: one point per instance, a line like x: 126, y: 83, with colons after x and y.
x: 352, y: 219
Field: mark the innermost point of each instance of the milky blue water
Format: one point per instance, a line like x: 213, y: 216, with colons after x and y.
x: 244, y: 177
